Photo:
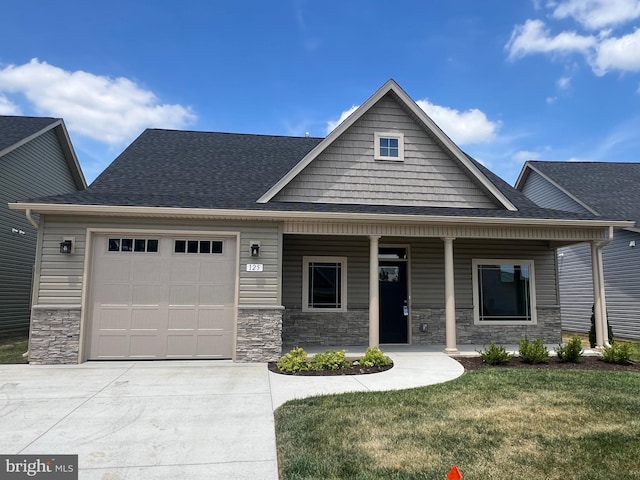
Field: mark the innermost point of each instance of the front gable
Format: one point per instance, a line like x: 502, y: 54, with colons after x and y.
x: 430, y: 170
x: 348, y: 172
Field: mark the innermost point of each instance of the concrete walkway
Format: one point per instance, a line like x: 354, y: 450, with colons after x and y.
x: 173, y: 419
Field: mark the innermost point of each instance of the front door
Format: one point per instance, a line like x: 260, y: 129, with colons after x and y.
x: 394, y: 310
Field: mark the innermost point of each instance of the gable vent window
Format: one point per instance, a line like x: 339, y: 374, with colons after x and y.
x: 141, y: 245
x: 197, y: 246
x: 389, y: 146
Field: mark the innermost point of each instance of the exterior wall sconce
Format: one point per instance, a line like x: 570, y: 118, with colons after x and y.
x: 632, y: 243
x: 255, y: 248
x: 67, y: 245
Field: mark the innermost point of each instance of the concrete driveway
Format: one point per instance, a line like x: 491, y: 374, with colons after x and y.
x: 143, y: 420
x: 172, y: 419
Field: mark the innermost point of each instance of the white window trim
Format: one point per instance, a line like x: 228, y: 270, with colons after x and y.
x: 376, y: 146
x: 305, y: 283
x: 476, y: 295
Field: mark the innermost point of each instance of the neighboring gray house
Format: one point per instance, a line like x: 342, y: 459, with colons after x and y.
x: 36, y: 159
x: 221, y: 245
x: 605, y: 189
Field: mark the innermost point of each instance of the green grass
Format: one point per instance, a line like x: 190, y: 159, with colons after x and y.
x: 12, y: 347
x: 492, y: 424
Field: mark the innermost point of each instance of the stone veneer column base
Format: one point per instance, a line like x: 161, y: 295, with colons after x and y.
x: 259, y: 334
x: 55, y: 334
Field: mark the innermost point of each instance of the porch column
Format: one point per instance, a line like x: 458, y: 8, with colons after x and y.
x: 603, y: 300
x: 596, y: 268
x: 374, y: 289
x: 450, y: 297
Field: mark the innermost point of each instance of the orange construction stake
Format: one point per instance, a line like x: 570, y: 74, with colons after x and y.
x: 454, y: 474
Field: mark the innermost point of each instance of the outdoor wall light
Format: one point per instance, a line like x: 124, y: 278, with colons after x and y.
x: 65, y: 246
x: 255, y: 248
x: 632, y: 243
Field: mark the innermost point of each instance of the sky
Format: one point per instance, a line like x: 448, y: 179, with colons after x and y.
x: 508, y: 81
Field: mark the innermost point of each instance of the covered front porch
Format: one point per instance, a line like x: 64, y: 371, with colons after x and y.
x: 452, y: 288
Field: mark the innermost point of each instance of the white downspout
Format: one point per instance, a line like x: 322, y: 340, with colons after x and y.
x: 32, y: 220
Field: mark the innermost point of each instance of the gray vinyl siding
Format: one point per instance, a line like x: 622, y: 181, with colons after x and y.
x: 346, y: 171
x: 426, y: 267
x: 575, y: 276
x: 35, y: 169
x: 61, y: 276
x: 543, y: 193
x: 622, y: 285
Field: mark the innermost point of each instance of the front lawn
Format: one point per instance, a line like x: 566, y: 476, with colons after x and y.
x: 12, y: 346
x: 492, y: 424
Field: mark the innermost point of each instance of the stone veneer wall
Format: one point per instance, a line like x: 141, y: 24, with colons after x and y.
x: 259, y: 334
x: 325, y: 328
x: 352, y: 328
x: 55, y: 335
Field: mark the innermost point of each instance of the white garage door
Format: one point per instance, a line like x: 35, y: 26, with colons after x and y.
x: 162, y: 297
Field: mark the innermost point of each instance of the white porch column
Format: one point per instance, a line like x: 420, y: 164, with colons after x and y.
x: 603, y: 300
x: 596, y: 268
x: 374, y: 293
x: 450, y: 297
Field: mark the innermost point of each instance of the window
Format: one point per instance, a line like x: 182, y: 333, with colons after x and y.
x: 197, y: 246
x: 324, y: 284
x: 140, y: 245
x: 504, y: 292
x: 389, y: 146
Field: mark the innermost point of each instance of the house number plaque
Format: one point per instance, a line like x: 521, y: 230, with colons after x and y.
x: 255, y: 267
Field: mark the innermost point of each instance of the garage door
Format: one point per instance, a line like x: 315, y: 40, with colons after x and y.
x: 162, y: 297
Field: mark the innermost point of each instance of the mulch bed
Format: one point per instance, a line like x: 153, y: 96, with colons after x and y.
x: 354, y: 370
x: 586, y: 363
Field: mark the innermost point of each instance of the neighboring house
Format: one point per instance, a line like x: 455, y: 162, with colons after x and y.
x: 36, y: 159
x: 605, y: 189
x: 220, y: 245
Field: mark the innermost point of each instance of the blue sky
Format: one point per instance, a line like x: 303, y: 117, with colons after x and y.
x: 507, y: 80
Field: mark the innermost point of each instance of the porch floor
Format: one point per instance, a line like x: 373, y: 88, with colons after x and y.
x: 399, y: 349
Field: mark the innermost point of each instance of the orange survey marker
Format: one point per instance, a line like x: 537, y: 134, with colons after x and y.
x: 454, y: 474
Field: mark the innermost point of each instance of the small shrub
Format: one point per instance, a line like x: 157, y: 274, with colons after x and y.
x: 495, y: 355
x: 330, y: 360
x: 373, y: 357
x: 533, y: 352
x: 294, y: 361
x: 571, y: 351
x: 618, y: 352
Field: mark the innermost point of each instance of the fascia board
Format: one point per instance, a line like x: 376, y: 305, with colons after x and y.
x: 167, y: 212
x: 70, y: 154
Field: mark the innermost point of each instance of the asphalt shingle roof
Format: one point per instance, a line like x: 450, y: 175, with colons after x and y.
x: 170, y: 168
x: 15, y: 129
x: 610, y: 188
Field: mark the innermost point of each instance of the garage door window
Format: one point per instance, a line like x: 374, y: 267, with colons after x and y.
x: 197, y: 246
x: 141, y: 245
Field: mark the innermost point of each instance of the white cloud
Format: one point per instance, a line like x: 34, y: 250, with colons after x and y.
x: 524, y: 155
x: 332, y: 124
x: 621, y: 53
x: 564, y: 83
x: 534, y: 37
x: 551, y: 100
x: 597, y: 14
x: 8, y: 108
x: 109, y: 110
x: 463, y: 128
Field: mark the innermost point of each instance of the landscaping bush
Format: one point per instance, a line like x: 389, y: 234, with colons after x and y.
x: 373, y: 357
x: 330, y: 360
x: 618, y: 352
x: 592, y: 330
x: 495, y: 355
x: 571, y: 351
x: 533, y: 352
x: 294, y: 361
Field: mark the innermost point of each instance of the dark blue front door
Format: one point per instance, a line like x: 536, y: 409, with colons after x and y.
x: 393, y: 302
